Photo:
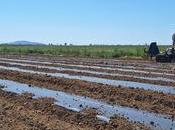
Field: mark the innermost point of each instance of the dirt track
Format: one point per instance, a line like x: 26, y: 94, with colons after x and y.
x: 146, y: 100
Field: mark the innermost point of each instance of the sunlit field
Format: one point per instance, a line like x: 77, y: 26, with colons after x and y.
x: 80, y: 51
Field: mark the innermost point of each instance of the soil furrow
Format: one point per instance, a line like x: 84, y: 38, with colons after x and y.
x: 23, y: 112
x: 104, y: 63
x: 153, y: 80
x: 119, y: 69
x: 136, y: 98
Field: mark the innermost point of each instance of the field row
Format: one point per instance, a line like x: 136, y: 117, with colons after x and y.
x: 124, y: 94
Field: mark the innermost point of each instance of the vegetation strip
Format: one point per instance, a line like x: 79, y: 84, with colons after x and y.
x: 78, y: 51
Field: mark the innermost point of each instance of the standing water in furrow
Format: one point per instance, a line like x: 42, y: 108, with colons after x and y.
x: 116, y: 83
x: 78, y: 103
x: 90, y: 72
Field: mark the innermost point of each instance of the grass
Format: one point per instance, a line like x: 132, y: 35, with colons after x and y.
x: 79, y: 51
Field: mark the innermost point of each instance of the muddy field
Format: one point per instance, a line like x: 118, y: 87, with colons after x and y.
x: 60, y: 93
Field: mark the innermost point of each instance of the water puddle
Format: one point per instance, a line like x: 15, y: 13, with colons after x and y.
x: 78, y: 103
x: 122, y: 83
x: 95, y: 67
x: 92, y: 72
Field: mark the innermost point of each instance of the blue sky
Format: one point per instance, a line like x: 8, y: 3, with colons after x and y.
x: 87, y: 21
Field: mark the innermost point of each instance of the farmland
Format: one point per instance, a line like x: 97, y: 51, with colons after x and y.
x: 55, y: 92
x: 98, y: 51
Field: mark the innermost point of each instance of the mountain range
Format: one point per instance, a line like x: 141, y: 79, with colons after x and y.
x: 25, y: 43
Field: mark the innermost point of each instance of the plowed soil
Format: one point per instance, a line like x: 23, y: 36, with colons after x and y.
x: 136, y: 98
x: 23, y: 112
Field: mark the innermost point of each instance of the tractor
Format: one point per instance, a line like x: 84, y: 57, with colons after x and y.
x: 166, y: 57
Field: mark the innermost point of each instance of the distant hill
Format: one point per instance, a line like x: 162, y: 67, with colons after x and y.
x: 25, y: 43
